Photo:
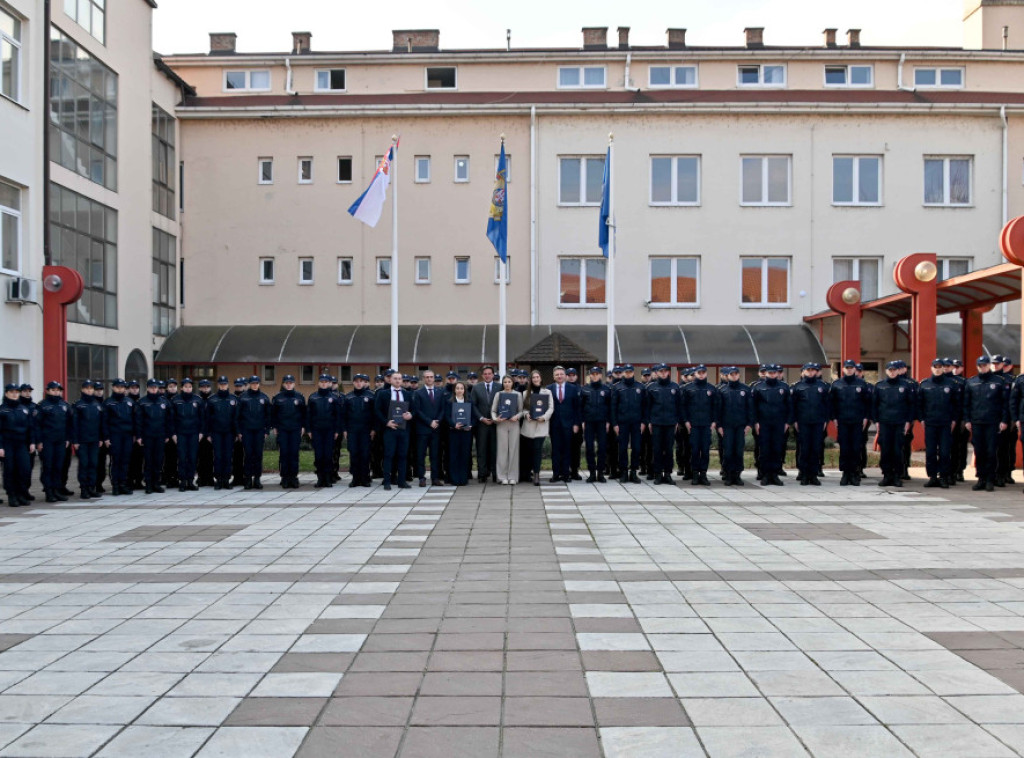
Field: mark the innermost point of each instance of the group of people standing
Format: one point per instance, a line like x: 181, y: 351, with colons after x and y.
x: 627, y: 426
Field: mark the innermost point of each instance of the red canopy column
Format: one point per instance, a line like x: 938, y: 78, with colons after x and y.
x: 844, y: 299
x: 917, y: 275
x: 61, y: 287
x: 972, y: 335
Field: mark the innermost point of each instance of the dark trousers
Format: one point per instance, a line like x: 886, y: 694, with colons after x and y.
x: 223, y: 444
x: 396, y: 453
x: 595, y: 434
x: 120, y: 453
x: 630, y: 445
x: 525, y: 461
x: 188, y: 457
x: 733, y: 440
x: 1007, y: 452
x: 984, y: 438
x: 66, y: 468
x: 683, y: 451
x: 613, y: 453
x: 428, y: 439
x: 52, y: 458
x: 17, y: 468
x: 153, y: 451
x: 377, y: 454
x: 890, y: 440
x: 851, y: 443
x: 662, y: 437
x: 575, y: 452
x: 170, y: 463
x: 87, y: 453
x: 772, y: 439
x: 238, y: 460
x: 323, y: 454
x: 135, y: 465
x: 938, y: 444
x: 532, y: 450
x: 812, y: 443
x: 700, y: 448
x: 960, y: 443
x: 486, y: 450
x: 103, y: 460
x: 336, y: 459
x: 646, y: 450
x: 561, y: 455
x: 459, y: 445
x: 359, y: 454
x: 204, y: 462
x: 758, y: 463
x: 288, y: 452
x: 252, y: 448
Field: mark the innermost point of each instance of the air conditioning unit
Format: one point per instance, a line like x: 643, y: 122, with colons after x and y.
x: 22, y: 291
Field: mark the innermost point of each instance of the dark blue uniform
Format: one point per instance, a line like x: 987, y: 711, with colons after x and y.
x: 595, y: 406
x: 986, y: 406
x: 893, y: 409
x: 810, y: 413
x: 122, y: 429
x: 735, y: 414
x: 850, y: 406
x: 700, y: 411
x: 254, y: 426
x: 188, y: 411
x: 938, y: 409
x: 663, y: 413
x: 288, y: 417
x: 627, y: 413
x: 156, y: 425
x: 54, y: 426
x: 222, y: 428
x: 359, y: 422
x: 325, y: 413
x: 772, y: 410
x: 16, y: 434
x: 88, y: 431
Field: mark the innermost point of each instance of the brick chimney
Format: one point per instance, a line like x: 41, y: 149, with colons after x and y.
x: 416, y: 40
x: 755, y: 36
x: 676, y: 38
x: 853, y: 37
x: 222, y: 43
x: 623, y: 37
x: 595, y: 37
x: 301, y: 42
x: 830, y: 37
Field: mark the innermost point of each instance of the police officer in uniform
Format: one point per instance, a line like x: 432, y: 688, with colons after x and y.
x: 700, y: 413
x: 627, y: 417
x: 122, y: 426
x: 893, y: 410
x: 850, y: 404
x: 336, y: 457
x: 762, y: 372
x: 908, y: 436
x: 135, y: 463
x: 396, y: 440
x: 735, y: 418
x: 954, y: 369
x: 810, y: 414
x: 54, y: 422
x: 103, y: 454
x: 17, y: 435
x: 683, y: 449
x: 612, y: 464
x: 576, y: 443
x: 170, y: 474
x: 938, y: 410
x: 204, y: 460
x: 1002, y: 367
x: 646, y: 447
x: 88, y: 432
x: 870, y: 389
x: 254, y: 426
x: 986, y: 413
x: 359, y: 426
x: 288, y: 417
x: 222, y: 431
x: 377, y: 443
x: 595, y: 402
x: 773, y: 407
x: 324, y: 411
x: 188, y: 421
x: 155, y: 428
x: 238, y: 449
x: 663, y: 413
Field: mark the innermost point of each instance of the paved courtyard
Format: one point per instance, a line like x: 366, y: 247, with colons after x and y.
x: 518, y: 622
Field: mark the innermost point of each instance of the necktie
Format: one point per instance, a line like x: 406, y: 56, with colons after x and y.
x: 561, y: 392
x: 430, y: 391
x: 395, y: 394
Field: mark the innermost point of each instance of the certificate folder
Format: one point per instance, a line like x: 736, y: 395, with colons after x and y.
x: 539, y: 406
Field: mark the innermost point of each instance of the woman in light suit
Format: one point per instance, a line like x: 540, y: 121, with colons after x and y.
x: 534, y: 431
x: 508, y: 432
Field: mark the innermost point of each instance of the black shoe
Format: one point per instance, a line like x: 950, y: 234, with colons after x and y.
x: 649, y: 477
x: 403, y: 485
x: 85, y: 494
x: 815, y: 482
x: 575, y: 477
x: 248, y: 484
x: 667, y: 480
x: 819, y: 472
x: 775, y: 481
x: 633, y: 478
x: 932, y: 482
x: 960, y: 476
x: 50, y: 497
x: 99, y: 489
x: 727, y: 481
x: 783, y: 473
x: 978, y: 485
x: 218, y: 486
x: 592, y: 478
x: 989, y: 487
x: 94, y: 494
x: 28, y: 496
x: 257, y: 484
x: 387, y: 485
x: 157, y: 488
x: 704, y: 479
x: 855, y: 481
x: 554, y: 480
x: 182, y: 488
x: 13, y: 500
x: 897, y: 482
x: 228, y: 485
x: 149, y: 490
x: 601, y: 479
x: 886, y: 482
x: 804, y: 482
x: 943, y: 484
x: 845, y: 480
x: 65, y: 491
x: 738, y: 480
x: 423, y: 482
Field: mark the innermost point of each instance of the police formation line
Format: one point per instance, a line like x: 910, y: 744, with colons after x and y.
x: 628, y: 426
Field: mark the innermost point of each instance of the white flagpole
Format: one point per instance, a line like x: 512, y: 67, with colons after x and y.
x: 610, y: 282
x: 394, y: 252
x: 502, y: 301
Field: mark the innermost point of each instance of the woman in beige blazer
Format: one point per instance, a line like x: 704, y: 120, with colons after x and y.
x: 534, y: 431
x: 508, y: 433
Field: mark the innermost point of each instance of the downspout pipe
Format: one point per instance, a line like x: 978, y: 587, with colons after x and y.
x: 1005, y: 187
x: 288, y: 79
x: 899, y: 75
x: 626, y: 83
x: 47, y: 249
x: 533, y: 215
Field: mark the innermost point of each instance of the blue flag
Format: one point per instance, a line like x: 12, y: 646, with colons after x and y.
x: 603, y: 229
x: 497, y: 218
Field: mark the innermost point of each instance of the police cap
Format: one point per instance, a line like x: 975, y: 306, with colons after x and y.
x: 1007, y: 360
x: 254, y: 379
x: 324, y: 378
x: 936, y: 362
x: 762, y: 367
x: 983, y: 360
x: 471, y: 375
x: 596, y: 370
x: 364, y: 377
x: 26, y: 386
x: 659, y: 367
x: 895, y: 365
x: 645, y: 372
x: 204, y: 382
x: 187, y: 380
x: 222, y: 380
x: 730, y: 370
x: 378, y: 378
x: 240, y: 382
x: 10, y: 387
x: 699, y: 367
x: 153, y: 383
x: 87, y: 383
x: 118, y: 383
x: 162, y: 385
x: 414, y: 379
x: 618, y: 370
x: 452, y: 375
x: 133, y: 383
x: 288, y: 378
x: 957, y: 363
x: 628, y: 367
x: 947, y: 362
x: 172, y: 380
x: 54, y: 386
x: 998, y: 358
x: 571, y: 370
x: 389, y: 372
x: 810, y: 366
x: 859, y: 367
x: 849, y: 364
x: 97, y: 384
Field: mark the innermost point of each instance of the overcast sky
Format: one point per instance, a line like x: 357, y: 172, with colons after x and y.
x: 183, y: 26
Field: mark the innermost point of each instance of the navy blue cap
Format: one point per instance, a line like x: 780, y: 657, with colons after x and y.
x: 253, y: 379
x: 172, y: 380
x: 984, y: 359
x: 25, y: 386
x: 378, y: 378
x: 596, y: 370
x: 997, y: 358
x: 87, y: 383
x: 1007, y: 360
x: 471, y: 375
x: 54, y: 386
x: 389, y: 372
x: 222, y: 380
x: 204, y: 383
x: 860, y: 366
x: 414, y: 379
x: 849, y: 364
x: 324, y: 378
x: 689, y: 371
x: 97, y: 384
x: 957, y: 363
x: 763, y: 367
x: 618, y: 369
x: 452, y: 375
x: 333, y: 378
x: 936, y: 362
x: 118, y: 383
x: 645, y: 372
x: 133, y: 383
x: 240, y: 382
x: 699, y: 367
x: 288, y: 378
x: 153, y: 383
x: 659, y: 367
x: 730, y: 370
x: 570, y: 370
x: 901, y: 364
x: 364, y: 377
x: 187, y: 380
x: 896, y: 364
x: 628, y: 367
x: 163, y: 385
x: 11, y: 387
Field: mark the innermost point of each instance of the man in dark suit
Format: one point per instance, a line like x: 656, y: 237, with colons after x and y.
x: 428, y: 410
x: 565, y: 422
x: 396, y: 441
x: 482, y: 395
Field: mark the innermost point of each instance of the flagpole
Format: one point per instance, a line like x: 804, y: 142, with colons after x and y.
x: 394, y: 253
x: 502, y: 301
x: 610, y: 283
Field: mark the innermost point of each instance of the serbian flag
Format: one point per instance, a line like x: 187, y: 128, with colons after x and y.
x: 369, y: 205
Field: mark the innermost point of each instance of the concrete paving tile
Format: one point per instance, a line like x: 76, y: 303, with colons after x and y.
x: 253, y: 742
x: 950, y: 741
x: 532, y: 742
x: 367, y: 711
x: 461, y: 683
x: 740, y: 742
x: 156, y: 742
x: 912, y: 709
x: 189, y: 711
x: 272, y: 711
x: 712, y: 684
x: 97, y: 709
x: 822, y: 711
x: 351, y: 742
x: 386, y: 683
x: 848, y: 741
x: 990, y: 709
x: 547, y: 711
x: 627, y: 684
x: 443, y: 742
x: 60, y: 740
x: 731, y: 711
x: 456, y: 711
x: 650, y: 742
x: 297, y: 685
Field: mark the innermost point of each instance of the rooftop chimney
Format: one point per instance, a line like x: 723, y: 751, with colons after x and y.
x: 755, y: 36
x: 222, y: 43
x: 301, y: 42
x: 676, y: 38
x: 853, y: 37
x: 416, y: 40
x: 830, y: 37
x: 595, y: 37
x: 623, y: 37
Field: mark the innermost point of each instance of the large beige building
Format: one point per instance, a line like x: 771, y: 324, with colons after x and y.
x: 88, y: 179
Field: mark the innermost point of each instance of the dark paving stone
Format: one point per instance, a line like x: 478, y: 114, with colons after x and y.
x: 358, y: 598
x: 1001, y: 654
x: 545, y: 683
x: 543, y: 660
x: 560, y: 625
x: 367, y: 711
x: 177, y: 533
x: 639, y: 711
x: 313, y: 662
x: 541, y: 641
x: 416, y: 661
x: 471, y: 641
x: 351, y: 742
x: 446, y: 742
x: 475, y: 660
x: 341, y: 626
x: 7, y: 641
x: 379, y: 684
x: 620, y: 660
x: 407, y: 626
x: 522, y: 742
x: 548, y: 711
x: 276, y: 711
x: 461, y: 683
x: 608, y: 625
x: 783, y: 532
x: 970, y: 640
x: 385, y: 642
x: 457, y: 711
x: 473, y: 625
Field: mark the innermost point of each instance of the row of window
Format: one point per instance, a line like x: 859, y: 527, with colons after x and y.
x: 165, y: 258
x: 658, y: 77
x: 423, y: 269
x: 421, y: 169
x: 10, y: 56
x: 90, y: 15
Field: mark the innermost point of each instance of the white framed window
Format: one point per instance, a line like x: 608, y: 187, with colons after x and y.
x: 850, y: 76
x: 953, y: 266
x: 10, y: 56
x: 867, y: 271
x: 508, y: 167
x: 422, y: 270
x: 675, y: 180
x: 247, y: 81
x: 10, y: 229
x: 305, y: 170
x: 950, y: 78
x: 306, y: 373
x: 441, y: 77
x: 462, y: 269
x: 674, y: 282
x: 269, y: 372
x: 344, y: 270
x: 856, y: 180
x: 947, y: 180
x: 508, y: 269
x: 581, y: 282
x: 330, y: 80
x: 671, y: 76
x: 579, y: 179
x: 422, y: 163
x: 305, y: 270
x: 764, y: 282
x: 344, y: 169
x: 383, y: 270
x: 461, y: 169
x: 766, y: 179
x: 265, y: 171
x: 90, y: 15
x: 581, y: 77
x: 266, y: 270
x: 761, y: 75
